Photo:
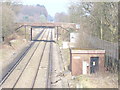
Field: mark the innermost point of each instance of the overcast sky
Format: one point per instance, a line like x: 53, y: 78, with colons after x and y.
x: 52, y: 6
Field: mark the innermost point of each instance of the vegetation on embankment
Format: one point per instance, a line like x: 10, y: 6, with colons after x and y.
x: 9, y: 13
x: 14, y: 12
x: 98, y: 27
x: 106, y: 80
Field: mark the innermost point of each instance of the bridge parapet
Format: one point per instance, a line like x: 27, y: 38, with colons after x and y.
x: 65, y: 25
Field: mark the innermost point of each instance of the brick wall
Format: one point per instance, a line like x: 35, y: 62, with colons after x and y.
x: 77, y: 59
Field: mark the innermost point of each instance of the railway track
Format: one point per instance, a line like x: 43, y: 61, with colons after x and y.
x: 38, y: 68
x: 25, y: 74
x: 32, y: 67
x: 48, y: 82
x: 17, y: 60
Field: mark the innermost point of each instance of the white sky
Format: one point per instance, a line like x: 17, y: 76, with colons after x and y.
x: 52, y: 6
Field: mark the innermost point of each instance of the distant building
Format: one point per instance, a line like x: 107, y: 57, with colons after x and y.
x: 77, y: 26
x: 74, y: 37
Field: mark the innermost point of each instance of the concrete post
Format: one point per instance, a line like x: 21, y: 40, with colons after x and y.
x: 31, y: 33
x: 57, y: 33
x: 25, y: 33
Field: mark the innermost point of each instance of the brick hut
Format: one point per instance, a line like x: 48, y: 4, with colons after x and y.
x: 86, y: 61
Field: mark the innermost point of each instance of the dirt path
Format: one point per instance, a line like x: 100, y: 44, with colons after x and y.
x: 57, y: 70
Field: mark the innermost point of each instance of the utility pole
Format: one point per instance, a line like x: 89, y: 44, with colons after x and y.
x: 101, y: 20
x: 101, y: 29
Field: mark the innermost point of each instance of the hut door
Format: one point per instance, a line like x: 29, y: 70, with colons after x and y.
x: 94, y: 65
x: 84, y: 67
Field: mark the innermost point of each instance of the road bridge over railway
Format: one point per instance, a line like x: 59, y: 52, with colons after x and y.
x: 63, y: 26
x: 49, y: 25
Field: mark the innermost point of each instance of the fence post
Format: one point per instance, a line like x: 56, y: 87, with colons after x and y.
x: 3, y: 38
x: 31, y: 33
x: 57, y: 33
x: 25, y: 32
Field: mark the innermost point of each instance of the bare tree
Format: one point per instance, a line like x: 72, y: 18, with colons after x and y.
x: 61, y: 17
x: 8, y: 18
